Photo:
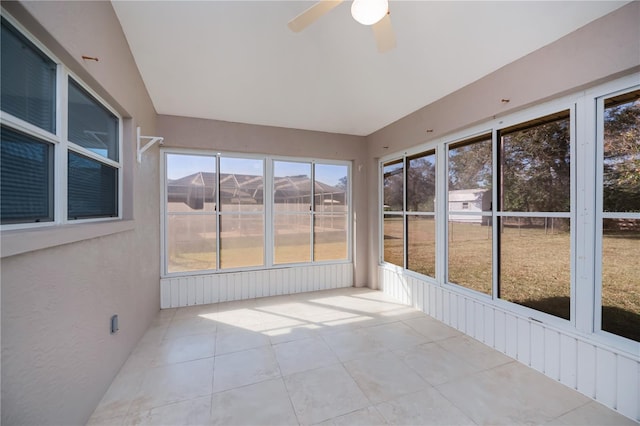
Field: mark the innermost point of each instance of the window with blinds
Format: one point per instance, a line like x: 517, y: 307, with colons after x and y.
x: 47, y: 177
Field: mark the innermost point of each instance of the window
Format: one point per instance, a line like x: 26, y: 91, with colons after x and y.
x: 292, y: 212
x: 470, y: 238
x: 619, y: 237
x: 36, y: 160
x: 331, y: 212
x: 393, y: 224
x: 241, y: 212
x: 535, y: 205
x: 421, y: 228
x: 218, y: 221
x: 191, y: 220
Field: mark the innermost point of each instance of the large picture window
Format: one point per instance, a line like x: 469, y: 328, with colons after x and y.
x: 619, y: 148
x: 535, y: 221
x: 218, y: 221
x: 469, y: 205
x: 393, y: 223
x: 421, y: 229
x: 32, y: 191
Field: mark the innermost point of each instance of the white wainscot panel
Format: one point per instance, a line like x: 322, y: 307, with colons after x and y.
x: 600, y: 372
x: 203, y: 289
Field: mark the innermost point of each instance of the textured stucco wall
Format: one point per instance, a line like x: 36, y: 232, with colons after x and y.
x: 601, y: 50
x: 246, y: 138
x: 58, y: 357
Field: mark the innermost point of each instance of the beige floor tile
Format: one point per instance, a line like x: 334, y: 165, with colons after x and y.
x: 112, y: 421
x: 365, y: 417
x: 474, y: 352
x: 593, y: 414
x: 283, y: 332
x: 173, y: 383
x: 511, y: 394
x: 233, y: 339
x: 432, y: 329
x: 324, y: 393
x: 435, y: 364
x: 302, y: 355
x: 352, y: 344
x: 190, y: 326
x: 384, y: 376
x: 395, y: 335
x: 117, y: 400
x: 426, y: 407
x: 264, y: 403
x: 191, y: 412
x: 244, y: 368
x: 188, y: 312
x: 187, y: 348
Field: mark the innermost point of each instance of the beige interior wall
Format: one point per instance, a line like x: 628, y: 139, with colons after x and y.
x: 58, y: 356
x: 183, y: 132
x: 602, y: 50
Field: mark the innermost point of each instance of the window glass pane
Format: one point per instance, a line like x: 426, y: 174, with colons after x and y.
x: 470, y: 165
x: 421, y: 244
x: 241, y: 240
x: 535, y: 263
x: 421, y: 182
x: 91, y: 125
x: 241, y: 184
x: 26, y: 179
x: 536, y: 166
x: 28, y: 80
x: 393, y: 186
x: 394, y: 239
x: 330, y: 237
x: 621, y: 277
x: 292, y: 187
x: 621, y: 174
x: 92, y: 188
x: 331, y: 186
x: 292, y: 238
x: 191, y: 183
x: 470, y: 254
x: 191, y: 242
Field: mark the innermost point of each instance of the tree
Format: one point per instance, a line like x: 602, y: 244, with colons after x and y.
x: 536, y: 168
x: 621, y: 167
x: 421, y: 183
x: 470, y: 166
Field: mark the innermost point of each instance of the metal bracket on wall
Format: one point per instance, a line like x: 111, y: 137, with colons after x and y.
x: 152, y: 140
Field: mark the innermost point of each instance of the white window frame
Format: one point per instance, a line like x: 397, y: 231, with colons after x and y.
x: 586, y: 110
x: 267, y: 214
x: 607, y: 91
x: 61, y: 145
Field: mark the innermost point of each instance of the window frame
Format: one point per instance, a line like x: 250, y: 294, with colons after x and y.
x: 61, y: 145
x: 608, y: 91
x: 585, y: 214
x: 267, y: 213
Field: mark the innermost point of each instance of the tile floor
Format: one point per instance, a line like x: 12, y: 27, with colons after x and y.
x: 340, y: 357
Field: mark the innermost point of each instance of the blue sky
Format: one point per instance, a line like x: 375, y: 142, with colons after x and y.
x: 180, y: 165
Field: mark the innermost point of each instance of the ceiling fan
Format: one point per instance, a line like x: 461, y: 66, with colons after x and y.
x: 366, y: 12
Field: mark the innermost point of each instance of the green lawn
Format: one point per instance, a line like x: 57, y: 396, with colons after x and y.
x: 535, y: 267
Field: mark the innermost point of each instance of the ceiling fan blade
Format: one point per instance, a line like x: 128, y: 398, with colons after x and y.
x: 312, y: 14
x: 383, y: 32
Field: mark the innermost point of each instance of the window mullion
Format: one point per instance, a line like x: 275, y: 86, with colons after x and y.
x: 61, y: 169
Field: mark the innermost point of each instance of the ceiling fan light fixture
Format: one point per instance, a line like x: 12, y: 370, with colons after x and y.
x: 368, y: 12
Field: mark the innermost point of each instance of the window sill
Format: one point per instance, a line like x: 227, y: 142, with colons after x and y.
x: 21, y: 241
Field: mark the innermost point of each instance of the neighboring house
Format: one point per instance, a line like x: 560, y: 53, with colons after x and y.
x: 469, y: 200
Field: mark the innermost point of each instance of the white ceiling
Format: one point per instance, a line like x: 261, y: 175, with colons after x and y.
x: 238, y: 61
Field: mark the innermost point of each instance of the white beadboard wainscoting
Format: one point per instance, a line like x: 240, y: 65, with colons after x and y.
x: 610, y: 377
x: 225, y: 287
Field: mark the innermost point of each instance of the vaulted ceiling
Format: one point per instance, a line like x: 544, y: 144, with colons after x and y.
x: 238, y: 61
